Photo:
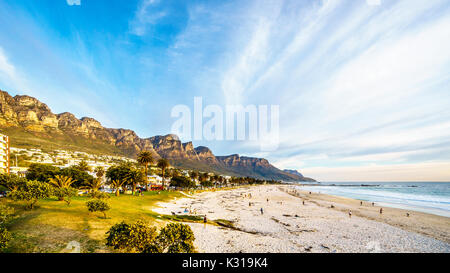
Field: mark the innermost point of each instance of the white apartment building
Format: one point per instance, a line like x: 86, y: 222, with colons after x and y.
x: 4, y: 154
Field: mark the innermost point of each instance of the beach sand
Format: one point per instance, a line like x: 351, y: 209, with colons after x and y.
x: 287, y: 225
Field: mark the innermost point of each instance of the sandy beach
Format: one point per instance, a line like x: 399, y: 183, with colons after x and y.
x: 286, y: 225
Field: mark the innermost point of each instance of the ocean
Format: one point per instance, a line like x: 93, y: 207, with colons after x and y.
x: 430, y: 197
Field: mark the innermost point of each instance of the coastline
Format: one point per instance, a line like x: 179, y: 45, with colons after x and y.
x: 287, y: 225
x: 428, y: 224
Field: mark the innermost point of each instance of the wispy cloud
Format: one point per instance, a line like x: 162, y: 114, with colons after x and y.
x: 73, y: 2
x: 145, y: 17
x: 343, y: 74
x: 9, y: 74
x: 6, y: 68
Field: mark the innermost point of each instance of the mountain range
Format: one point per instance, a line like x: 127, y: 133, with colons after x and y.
x: 31, y: 124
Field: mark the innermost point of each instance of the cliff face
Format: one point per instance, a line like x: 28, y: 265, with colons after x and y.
x: 29, y: 116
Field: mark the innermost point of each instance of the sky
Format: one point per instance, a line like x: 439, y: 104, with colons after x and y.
x: 363, y: 86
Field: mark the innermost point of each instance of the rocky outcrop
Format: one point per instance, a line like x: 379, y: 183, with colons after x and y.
x: 29, y: 114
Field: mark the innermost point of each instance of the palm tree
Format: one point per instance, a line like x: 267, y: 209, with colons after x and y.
x: 99, y: 172
x: 215, y: 179
x: 163, y: 164
x: 84, y: 166
x: 134, y: 177
x: 94, y: 185
x: 145, y: 158
x: 61, y: 182
x: 116, y: 184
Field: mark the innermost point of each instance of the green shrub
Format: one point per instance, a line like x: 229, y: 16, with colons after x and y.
x: 99, y: 195
x: 5, y: 216
x: 135, y: 237
x: 173, y: 238
x: 139, y: 237
x: 12, y: 182
x: 98, y: 205
x: 5, y: 237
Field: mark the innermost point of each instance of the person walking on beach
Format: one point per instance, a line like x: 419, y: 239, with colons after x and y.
x: 262, y: 211
x: 303, y: 202
x: 381, y: 210
x: 360, y: 203
x: 373, y: 204
x: 350, y: 213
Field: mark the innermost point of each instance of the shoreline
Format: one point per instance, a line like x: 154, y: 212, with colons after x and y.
x: 428, y: 224
x: 367, y: 198
x: 288, y: 226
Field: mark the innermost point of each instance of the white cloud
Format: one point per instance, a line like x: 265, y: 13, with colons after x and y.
x: 10, y: 78
x: 145, y: 17
x: 356, y: 84
x: 73, y: 2
x: 6, y: 68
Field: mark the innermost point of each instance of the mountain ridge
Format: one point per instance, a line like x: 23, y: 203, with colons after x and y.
x: 33, y: 124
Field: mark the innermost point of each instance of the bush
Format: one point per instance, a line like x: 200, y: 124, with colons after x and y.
x: 5, y: 237
x: 136, y: 237
x: 5, y: 216
x: 98, y: 205
x: 173, y: 238
x: 139, y: 237
x: 12, y: 182
x: 31, y: 192
x: 99, y: 195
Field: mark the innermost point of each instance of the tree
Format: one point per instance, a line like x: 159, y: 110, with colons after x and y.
x: 193, y: 174
x: 81, y: 178
x: 31, y: 192
x: 181, y: 181
x: 204, y: 177
x: 93, y: 186
x: 99, y: 172
x: 206, y: 183
x: 41, y: 172
x: 84, y: 166
x: 173, y: 238
x: 119, y: 172
x: 67, y: 194
x: 214, y: 179
x: 60, y: 182
x: 11, y: 181
x: 116, y: 184
x: 163, y: 164
x: 134, y: 177
x: 145, y: 158
x: 135, y: 237
x: 98, y: 205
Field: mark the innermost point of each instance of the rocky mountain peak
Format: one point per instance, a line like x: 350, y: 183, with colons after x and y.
x: 30, y: 116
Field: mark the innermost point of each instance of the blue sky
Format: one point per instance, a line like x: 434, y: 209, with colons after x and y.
x: 363, y: 89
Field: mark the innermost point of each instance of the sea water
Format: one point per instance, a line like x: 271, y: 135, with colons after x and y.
x: 430, y: 197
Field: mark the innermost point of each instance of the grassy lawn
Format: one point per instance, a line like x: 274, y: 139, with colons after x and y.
x: 52, y: 224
